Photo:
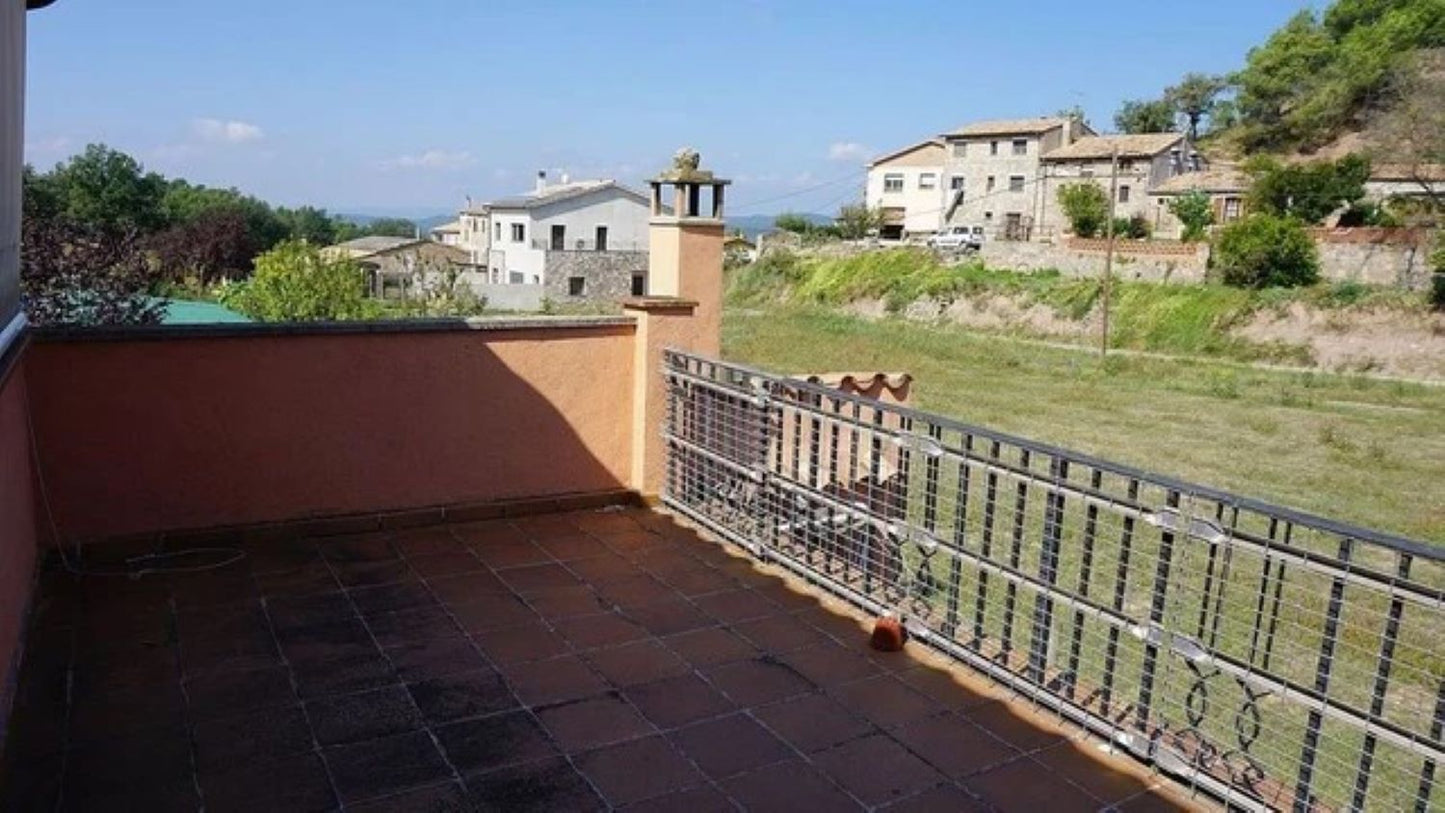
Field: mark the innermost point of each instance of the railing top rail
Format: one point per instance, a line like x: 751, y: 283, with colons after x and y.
x: 1394, y: 542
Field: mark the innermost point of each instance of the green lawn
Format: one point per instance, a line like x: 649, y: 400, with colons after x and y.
x: 1359, y: 450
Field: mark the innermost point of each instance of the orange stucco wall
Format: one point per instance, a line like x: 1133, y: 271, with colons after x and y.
x: 147, y: 435
x: 17, y: 525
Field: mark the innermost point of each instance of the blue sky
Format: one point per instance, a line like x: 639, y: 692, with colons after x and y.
x: 408, y: 107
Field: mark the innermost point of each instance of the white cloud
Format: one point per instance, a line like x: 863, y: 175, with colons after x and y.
x: 57, y: 145
x: 226, y: 132
x: 848, y: 151
x: 434, y: 159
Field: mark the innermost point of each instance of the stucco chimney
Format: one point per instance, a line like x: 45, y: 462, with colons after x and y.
x: 541, y: 180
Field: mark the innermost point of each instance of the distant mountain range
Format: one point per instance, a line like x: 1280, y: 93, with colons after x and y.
x: 426, y: 223
x: 753, y: 225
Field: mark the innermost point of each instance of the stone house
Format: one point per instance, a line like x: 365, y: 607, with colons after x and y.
x: 392, y: 264
x: 907, y: 186
x: 992, y: 171
x: 448, y: 234
x: 1145, y: 162
x: 1225, y: 185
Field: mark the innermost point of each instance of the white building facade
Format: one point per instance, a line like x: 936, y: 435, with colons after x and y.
x: 582, y: 216
x: 907, y: 185
x: 993, y: 171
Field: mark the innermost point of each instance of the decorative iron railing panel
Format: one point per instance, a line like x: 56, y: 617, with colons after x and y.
x: 1275, y: 659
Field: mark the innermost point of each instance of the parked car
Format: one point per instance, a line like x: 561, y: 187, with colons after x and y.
x: 958, y: 238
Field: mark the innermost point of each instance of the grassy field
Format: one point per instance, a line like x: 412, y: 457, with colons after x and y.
x: 1360, y: 450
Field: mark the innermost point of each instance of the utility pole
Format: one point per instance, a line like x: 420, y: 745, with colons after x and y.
x: 1109, y: 252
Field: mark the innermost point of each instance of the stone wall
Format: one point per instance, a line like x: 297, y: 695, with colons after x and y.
x: 1400, y: 265
x: 1152, y: 262
x: 607, y: 275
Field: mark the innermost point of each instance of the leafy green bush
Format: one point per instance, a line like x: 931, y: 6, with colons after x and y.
x: 795, y: 223
x: 1196, y: 212
x: 297, y: 282
x: 1265, y: 251
x: 1086, y: 206
x: 1133, y: 228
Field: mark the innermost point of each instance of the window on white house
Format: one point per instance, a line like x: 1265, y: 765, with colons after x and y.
x: 893, y: 182
x: 1086, y: 171
x: 928, y: 180
x: 576, y: 286
x: 960, y: 149
x: 516, y: 277
x: 993, y: 148
x: 1124, y: 193
x: 1231, y: 209
x: 1126, y: 166
x: 956, y: 183
x: 1015, y: 183
x: 639, y: 284
x: 991, y: 184
x: 519, y: 233
x: 1021, y: 146
x: 497, y: 232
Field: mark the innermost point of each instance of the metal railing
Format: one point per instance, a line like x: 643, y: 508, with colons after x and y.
x: 1274, y: 659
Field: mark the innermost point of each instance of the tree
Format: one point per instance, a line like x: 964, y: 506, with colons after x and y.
x: 1266, y: 251
x: 1410, y: 130
x: 1194, y: 98
x: 297, y: 282
x: 1086, y: 206
x: 391, y: 227
x: 1140, y: 116
x: 1310, y: 192
x: 74, y: 273
x: 792, y: 222
x: 184, y: 202
x: 856, y: 221
x: 211, y: 246
x: 310, y: 224
x: 110, y: 190
x: 1075, y: 113
x: 1196, y: 212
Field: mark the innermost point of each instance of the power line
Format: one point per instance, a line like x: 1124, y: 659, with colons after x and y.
x: 853, y: 176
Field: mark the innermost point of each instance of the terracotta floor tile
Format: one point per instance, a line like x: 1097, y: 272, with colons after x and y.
x: 488, y: 743
x: 251, y: 737
x: 430, y: 658
x: 381, y: 767
x: 520, y: 642
x: 1013, y: 725
x: 297, y: 612
x: 637, y: 770
x: 734, y: 606
x: 454, y: 590
x: 787, y: 787
x: 877, y: 769
x: 699, y: 582
x: 566, y: 602
x: 489, y: 532
x: 757, y: 681
x: 637, y: 662
x: 885, y: 700
x: 342, y: 674
x: 227, y: 693
x: 295, y: 783
x: 491, y: 610
x: 710, y: 647
x: 701, y: 799
x: 669, y: 616
x: 677, y: 701
x: 942, y: 799
x: 355, y: 717
x: 830, y: 664
x: 570, y: 546
x: 780, y: 633
x: 547, y: 784
x: 546, y: 682
x: 945, y: 687
x: 730, y: 745
x: 513, y: 553
x: 440, y: 565
x: 462, y: 695
x: 954, y: 745
x: 360, y: 548
x: 1082, y: 764
x: 448, y: 797
x: 529, y: 579
x: 389, y: 598
x: 372, y: 574
x: 813, y: 722
x: 605, y: 629
x: 425, y: 624
x: 605, y: 567
x: 580, y: 725
x: 1021, y: 785
x: 635, y: 590
x: 426, y: 542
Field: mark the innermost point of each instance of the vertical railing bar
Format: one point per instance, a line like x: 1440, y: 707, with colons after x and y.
x: 1427, y: 770
x: 1257, y: 628
x: 1157, y: 601
x: 1385, y: 662
x: 1278, y: 596
x: 1121, y: 589
x: 990, y: 502
x: 960, y: 539
x: 931, y: 466
x: 1086, y: 576
x: 1324, y: 668
x: 1223, y: 575
x: 1208, y: 592
x: 1016, y: 550
x: 1048, y: 570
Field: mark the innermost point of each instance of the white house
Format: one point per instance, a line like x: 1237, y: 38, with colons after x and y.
x: 572, y: 216
x: 907, y: 186
x: 448, y: 234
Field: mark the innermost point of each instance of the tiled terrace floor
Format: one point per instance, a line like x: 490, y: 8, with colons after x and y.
x: 567, y: 661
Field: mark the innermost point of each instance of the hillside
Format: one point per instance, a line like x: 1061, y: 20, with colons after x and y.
x: 1326, y: 76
